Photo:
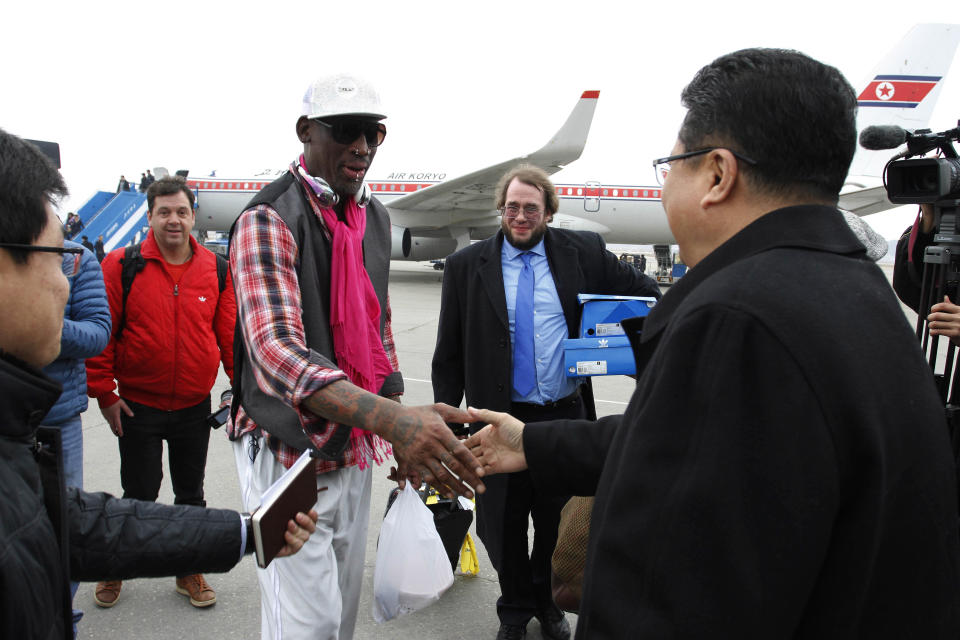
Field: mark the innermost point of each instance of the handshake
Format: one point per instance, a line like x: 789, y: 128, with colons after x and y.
x: 497, y: 448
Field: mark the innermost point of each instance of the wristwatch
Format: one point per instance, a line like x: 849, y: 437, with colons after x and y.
x: 248, y: 527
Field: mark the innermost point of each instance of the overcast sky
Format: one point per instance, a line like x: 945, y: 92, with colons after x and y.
x: 216, y: 85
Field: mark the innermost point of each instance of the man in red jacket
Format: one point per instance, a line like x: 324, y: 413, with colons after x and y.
x: 167, y: 344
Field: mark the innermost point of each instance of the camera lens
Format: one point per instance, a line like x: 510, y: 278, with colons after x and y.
x: 924, y: 180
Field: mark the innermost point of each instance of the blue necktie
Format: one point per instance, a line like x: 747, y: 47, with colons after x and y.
x: 524, y: 364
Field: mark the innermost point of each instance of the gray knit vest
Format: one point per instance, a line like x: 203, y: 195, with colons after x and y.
x: 286, y: 196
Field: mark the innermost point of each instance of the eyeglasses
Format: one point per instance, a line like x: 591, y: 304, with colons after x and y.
x: 71, y: 255
x: 531, y: 212
x: 661, y: 166
x: 346, y: 131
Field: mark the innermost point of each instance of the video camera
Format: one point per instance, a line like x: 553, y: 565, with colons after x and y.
x: 922, y: 180
x: 934, y: 182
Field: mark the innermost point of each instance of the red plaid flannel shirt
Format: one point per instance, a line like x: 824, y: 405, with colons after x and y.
x: 263, y: 258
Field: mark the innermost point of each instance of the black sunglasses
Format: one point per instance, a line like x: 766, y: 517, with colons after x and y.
x: 70, y: 267
x: 347, y: 130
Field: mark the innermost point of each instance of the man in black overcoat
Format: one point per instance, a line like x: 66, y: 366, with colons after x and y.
x: 783, y: 469
x: 476, y: 353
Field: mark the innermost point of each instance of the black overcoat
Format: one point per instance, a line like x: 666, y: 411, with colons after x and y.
x: 473, y: 356
x: 783, y: 469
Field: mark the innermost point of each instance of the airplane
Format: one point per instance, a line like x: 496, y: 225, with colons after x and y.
x: 433, y: 216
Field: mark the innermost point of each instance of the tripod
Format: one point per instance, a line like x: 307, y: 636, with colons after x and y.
x: 941, y: 277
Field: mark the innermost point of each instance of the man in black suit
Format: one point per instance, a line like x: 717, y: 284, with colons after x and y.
x: 783, y: 469
x: 481, y: 352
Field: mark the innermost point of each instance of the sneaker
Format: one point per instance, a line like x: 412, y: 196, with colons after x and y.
x: 201, y: 595
x: 107, y: 593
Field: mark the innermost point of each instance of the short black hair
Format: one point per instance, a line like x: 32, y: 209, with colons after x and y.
x: 795, y: 116
x: 28, y: 181
x: 168, y: 186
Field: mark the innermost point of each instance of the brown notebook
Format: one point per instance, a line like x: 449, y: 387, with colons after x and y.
x: 294, y: 491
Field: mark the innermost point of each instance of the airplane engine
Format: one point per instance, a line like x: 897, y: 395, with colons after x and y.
x: 409, y: 247
x: 400, y: 242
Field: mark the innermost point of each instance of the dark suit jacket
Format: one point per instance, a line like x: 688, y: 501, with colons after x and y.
x: 473, y: 355
x: 783, y: 469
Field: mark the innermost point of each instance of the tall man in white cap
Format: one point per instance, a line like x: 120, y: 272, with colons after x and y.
x: 315, y: 363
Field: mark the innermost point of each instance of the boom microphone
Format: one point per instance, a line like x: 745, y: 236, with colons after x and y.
x: 881, y: 137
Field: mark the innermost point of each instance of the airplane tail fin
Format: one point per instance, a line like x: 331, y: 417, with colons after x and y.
x: 903, y: 89
x: 567, y: 144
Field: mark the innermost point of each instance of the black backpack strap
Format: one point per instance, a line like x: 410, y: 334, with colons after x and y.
x: 131, y: 264
x: 222, y: 267
x: 237, y: 388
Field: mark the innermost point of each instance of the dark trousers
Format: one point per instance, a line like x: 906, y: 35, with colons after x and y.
x: 524, y: 575
x: 141, y: 451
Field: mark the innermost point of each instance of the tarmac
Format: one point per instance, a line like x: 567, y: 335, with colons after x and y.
x: 152, y: 609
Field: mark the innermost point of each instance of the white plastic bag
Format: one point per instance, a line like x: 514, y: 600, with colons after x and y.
x: 413, y: 569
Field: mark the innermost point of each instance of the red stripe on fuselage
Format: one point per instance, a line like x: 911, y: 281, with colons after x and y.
x: 612, y: 192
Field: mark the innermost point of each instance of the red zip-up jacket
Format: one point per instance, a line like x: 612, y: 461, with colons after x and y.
x: 175, y: 336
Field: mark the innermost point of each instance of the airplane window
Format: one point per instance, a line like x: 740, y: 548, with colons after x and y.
x: 579, y: 192
x: 604, y: 192
x: 615, y: 193
x: 634, y: 193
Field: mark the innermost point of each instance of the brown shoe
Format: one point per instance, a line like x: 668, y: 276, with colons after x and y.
x: 201, y: 595
x: 107, y: 593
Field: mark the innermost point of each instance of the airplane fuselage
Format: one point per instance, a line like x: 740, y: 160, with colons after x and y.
x: 624, y: 214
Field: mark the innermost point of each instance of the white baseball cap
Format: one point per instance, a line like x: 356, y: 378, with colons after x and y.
x: 341, y: 95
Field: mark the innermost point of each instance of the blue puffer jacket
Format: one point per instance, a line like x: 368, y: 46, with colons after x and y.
x: 86, y: 331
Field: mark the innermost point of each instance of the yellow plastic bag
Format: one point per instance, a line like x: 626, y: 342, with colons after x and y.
x: 469, y: 566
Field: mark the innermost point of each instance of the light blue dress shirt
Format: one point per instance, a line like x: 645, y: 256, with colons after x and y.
x: 549, y: 324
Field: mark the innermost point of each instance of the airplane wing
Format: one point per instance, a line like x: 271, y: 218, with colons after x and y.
x: 865, y: 201
x: 476, y: 190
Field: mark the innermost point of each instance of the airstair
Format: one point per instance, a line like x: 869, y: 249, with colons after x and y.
x: 120, y: 218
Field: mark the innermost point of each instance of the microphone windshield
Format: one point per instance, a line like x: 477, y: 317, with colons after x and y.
x: 880, y: 137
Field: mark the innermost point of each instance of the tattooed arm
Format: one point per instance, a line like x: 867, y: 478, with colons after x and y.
x: 419, y: 435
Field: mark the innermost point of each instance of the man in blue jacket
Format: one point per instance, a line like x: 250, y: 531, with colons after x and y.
x: 86, y: 331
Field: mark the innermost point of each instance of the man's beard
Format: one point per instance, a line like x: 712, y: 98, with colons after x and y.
x: 536, y: 235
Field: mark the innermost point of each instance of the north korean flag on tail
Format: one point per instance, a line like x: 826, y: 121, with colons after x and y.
x: 905, y: 92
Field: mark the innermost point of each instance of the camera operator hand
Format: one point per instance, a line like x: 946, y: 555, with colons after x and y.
x: 944, y: 320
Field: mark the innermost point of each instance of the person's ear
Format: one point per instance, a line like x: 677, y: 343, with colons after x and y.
x: 722, y: 171
x: 303, y: 129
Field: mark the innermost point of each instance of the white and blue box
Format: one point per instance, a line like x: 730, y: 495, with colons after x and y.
x: 603, y: 348
x: 598, y: 357
x: 602, y: 314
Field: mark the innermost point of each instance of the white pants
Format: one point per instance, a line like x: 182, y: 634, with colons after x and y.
x: 314, y: 594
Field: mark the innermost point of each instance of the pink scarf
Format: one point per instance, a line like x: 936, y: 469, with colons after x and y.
x: 355, y: 318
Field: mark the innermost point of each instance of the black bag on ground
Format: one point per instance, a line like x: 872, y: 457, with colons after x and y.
x: 450, y: 518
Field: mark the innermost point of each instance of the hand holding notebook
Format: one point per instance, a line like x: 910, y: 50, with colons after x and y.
x: 293, y: 492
